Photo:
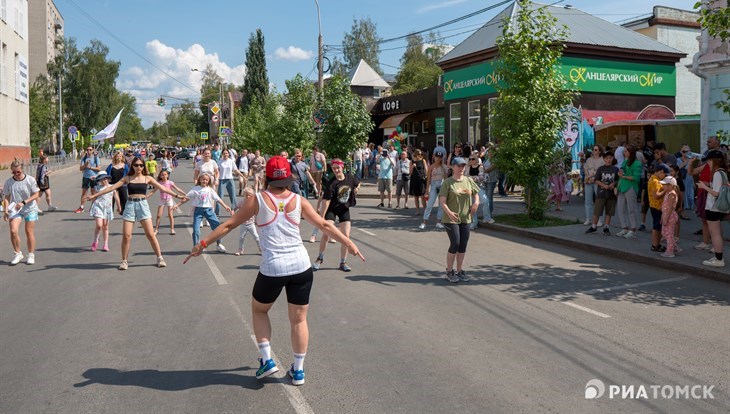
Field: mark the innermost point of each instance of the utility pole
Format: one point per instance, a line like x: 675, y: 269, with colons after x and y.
x: 320, y: 52
x: 60, y: 114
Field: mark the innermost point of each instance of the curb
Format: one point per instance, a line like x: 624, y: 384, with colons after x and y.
x: 606, y: 251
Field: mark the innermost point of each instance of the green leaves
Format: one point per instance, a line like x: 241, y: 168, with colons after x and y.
x: 526, y: 117
x: 256, y: 81
x: 418, y: 69
x: 348, y: 122
x: 361, y: 43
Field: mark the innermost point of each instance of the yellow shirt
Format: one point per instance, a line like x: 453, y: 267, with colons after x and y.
x: 654, y: 186
x: 151, y: 167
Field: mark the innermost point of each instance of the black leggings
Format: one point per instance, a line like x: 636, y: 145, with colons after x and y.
x: 458, y: 237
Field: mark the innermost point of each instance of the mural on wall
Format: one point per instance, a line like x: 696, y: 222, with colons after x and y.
x: 575, y: 132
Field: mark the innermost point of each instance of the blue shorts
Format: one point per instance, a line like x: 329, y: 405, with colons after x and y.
x: 30, y: 216
x: 136, y: 210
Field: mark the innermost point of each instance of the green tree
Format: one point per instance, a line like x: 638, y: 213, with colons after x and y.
x: 338, y: 68
x: 256, y: 81
x: 418, y: 69
x: 526, y: 118
x: 209, y: 90
x: 130, y: 125
x: 348, y: 122
x: 257, y: 127
x: 362, y: 42
x: 716, y: 20
x: 296, y: 124
x: 43, y: 107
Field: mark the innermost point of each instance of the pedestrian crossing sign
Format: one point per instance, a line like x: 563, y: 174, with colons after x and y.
x: 203, y: 135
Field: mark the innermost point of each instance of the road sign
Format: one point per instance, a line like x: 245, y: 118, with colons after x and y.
x: 224, y: 131
x: 203, y: 135
x: 72, y: 136
x: 214, y: 118
x: 93, y: 131
x: 72, y: 130
x: 215, y: 109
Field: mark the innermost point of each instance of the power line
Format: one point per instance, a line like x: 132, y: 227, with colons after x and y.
x: 129, y: 47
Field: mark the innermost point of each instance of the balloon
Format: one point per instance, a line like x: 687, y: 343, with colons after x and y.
x: 398, y: 129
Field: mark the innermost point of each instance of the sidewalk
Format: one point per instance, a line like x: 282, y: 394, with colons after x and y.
x: 637, y: 250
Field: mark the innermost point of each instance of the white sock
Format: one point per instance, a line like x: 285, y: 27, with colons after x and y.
x: 265, y: 350
x: 299, y: 361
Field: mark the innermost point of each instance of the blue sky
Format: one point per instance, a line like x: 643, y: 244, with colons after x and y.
x: 177, y: 35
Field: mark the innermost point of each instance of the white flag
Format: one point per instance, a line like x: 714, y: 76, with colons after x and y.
x: 110, y: 129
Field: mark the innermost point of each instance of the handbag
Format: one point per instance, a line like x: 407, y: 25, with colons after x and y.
x: 722, y: 202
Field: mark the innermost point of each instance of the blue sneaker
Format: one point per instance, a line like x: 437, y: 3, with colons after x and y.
x: 297, y: 377
x: 267, y: 368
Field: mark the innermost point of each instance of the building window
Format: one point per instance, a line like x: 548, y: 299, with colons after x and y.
x: 17, y: 76
x: 455, y: 123
x: 404, y: 128
x: 376, y: 93
x: 3, y: 69
x: 424, y: 127
x: 414, y: 128
x: 4, y: 10
x: 474, y: 123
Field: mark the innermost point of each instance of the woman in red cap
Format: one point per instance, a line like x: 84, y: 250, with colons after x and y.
x: 284, y: 262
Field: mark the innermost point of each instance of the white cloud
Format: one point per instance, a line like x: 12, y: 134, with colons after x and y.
x: 293, y: 53
x: 147, y: 83
x: 442, y: 5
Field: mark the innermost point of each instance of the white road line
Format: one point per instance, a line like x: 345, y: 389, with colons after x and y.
x: 367, y: 232
x: 620, y: 287
x: 583, y: 308
x: 296, y: 398
x: 211, y: 264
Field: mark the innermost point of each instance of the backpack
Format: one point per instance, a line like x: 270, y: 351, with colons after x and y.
x: 722, y: 202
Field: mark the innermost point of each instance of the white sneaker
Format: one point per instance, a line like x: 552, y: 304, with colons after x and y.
x: 422, y: 226
x: 17, y: 258
x: 439, y: 226
x: 161, y: 262
x: 630, y: 235
x: 714, y: 262
x: 31, y: 259
x: 488, y: 221
x: 622, y: 233
x: 703, y: 246
x: 600, y: 223
x: 52, y: 208
x: 221, y: 248
x: 588, y: 222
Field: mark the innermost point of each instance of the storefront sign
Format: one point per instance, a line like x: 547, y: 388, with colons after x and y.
x: 592, y: 75
x: 439, y: 125
x: 585, y: 75
x: 391, y: 105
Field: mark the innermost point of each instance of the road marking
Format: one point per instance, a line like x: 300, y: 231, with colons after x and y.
x: 296, y: 398
x: 584, y: 309
x: 620, y: 287
x: 211, y: 264
x: 367, y: 232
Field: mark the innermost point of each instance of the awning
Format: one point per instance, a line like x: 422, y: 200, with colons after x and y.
x: 394, y: 120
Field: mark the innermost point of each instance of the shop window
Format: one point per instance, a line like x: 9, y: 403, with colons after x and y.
x: 424, y: 127
x: 414, y: 128
x: 455, y: 122
x: 474, y: 133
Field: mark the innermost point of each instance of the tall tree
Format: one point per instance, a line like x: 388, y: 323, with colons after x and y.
x: 347, y: 123
x: 362, y: 42
x: 256, y: 81
x: 210, y: 89
x: 43, y: 114
x: 527, y: 118
x: 257, y: 127
x: 296, y: 123
x: 418, y: 65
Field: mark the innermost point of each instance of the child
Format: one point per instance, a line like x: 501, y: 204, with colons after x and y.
x: 42, y: 174
x: 151, y: 165
x: 204, y: 199
x: 606, y: 179
x: 165, y: 200
x: 669, y: 215
x: 246, y: 227
x: 102, y: 210
x: 655, y: 194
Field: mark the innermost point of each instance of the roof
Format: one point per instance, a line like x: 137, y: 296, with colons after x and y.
x: 364, y: 75
x: 583, y: 29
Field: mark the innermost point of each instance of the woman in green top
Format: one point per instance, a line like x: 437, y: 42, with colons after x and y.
x: 459, y: 199
x: 628, y: 187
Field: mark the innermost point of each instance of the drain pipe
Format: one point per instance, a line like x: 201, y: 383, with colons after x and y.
x: 705, y: 95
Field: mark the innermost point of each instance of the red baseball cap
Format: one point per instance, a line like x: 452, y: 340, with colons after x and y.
x: 278, y: 172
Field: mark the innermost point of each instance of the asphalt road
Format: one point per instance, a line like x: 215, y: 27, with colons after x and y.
x: 535, y: 324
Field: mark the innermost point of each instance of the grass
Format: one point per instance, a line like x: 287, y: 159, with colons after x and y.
x: 523, y: 221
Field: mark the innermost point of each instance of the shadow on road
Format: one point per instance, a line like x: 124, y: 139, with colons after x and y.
x: 171, y: 380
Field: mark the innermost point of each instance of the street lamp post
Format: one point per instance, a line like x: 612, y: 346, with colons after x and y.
x: 320, y: 51
x: 220, y: 93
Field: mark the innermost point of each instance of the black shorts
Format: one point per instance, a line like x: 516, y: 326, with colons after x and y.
x: 714, y: 215
x: 267, y: 288
x: 342, y: 213
x: 656, y: 217
x: 87, y: 182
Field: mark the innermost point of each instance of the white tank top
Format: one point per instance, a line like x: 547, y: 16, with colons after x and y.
x: 284, y: 253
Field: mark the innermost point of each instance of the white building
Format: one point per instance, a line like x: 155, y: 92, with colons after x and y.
x: 712, y: 64
x: 678, y: 29
x: 14, y: 81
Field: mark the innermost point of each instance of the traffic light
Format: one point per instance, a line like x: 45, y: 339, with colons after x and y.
x: 161, y: 102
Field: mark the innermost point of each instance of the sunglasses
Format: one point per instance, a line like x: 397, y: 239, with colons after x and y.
x: 137, y: 165
x: 89, y: 149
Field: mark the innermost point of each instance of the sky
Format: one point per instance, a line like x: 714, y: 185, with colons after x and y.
x: 158, y: 42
